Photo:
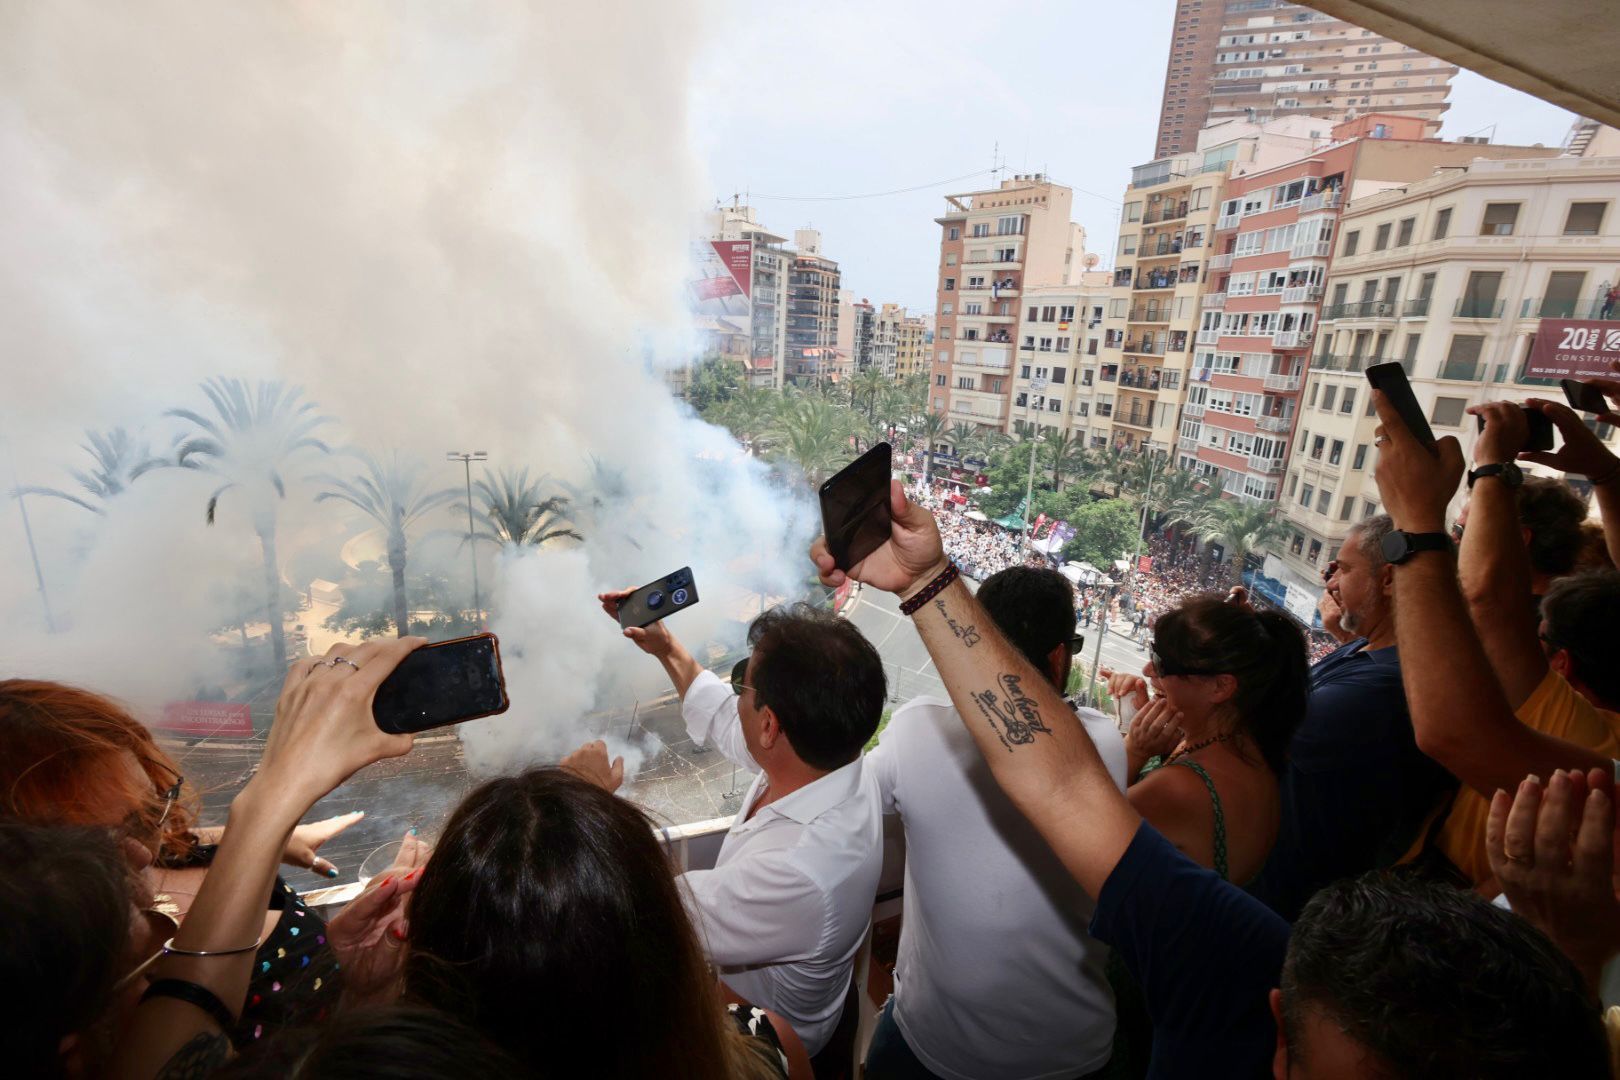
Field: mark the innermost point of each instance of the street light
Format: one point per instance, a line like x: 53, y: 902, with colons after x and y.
x: 1147, y: 500
x: 467, y: 458
x: 1036, y: 385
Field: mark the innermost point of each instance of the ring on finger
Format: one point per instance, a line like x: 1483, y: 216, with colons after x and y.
x: 336, y: 660
x: 1520, y: 860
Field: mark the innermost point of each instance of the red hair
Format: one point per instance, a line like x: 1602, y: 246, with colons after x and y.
x: 66, y: 763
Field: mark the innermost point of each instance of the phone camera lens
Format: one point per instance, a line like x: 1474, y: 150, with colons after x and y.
x: 655, y: 600
x: 679, y: 596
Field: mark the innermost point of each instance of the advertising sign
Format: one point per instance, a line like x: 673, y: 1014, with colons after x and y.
x: 203, y: 719
x: 724, y: 285
x: 1574, y: 349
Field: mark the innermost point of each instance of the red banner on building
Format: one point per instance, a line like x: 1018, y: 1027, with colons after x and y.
x: 1573, y: 349
x: 714, y: 288
x: 737, y: 256
x: 202, y: 719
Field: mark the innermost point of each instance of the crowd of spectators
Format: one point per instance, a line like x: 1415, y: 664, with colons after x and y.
x: 1397, y: 861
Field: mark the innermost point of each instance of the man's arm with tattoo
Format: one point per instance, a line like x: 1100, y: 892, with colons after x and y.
x: 1037, y: 748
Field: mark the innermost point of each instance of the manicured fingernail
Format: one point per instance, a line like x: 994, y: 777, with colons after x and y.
x: 332, y: 872
x: 384, y: 882
x: 398, y: 932
x: 412, y: 875
x: 413, y: 830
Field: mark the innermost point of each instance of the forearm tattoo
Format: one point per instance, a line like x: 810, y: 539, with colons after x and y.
x: 969, y: 635
x: 1011, y: 713
x: 198, y: 1058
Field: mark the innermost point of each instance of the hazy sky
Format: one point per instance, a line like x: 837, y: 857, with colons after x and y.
x: 840, y: 98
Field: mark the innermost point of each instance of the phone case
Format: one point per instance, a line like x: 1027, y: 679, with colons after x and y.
x: 850, y: 520
x: 397, y: 724
x: 1391, y: 379
x: 659, y: 599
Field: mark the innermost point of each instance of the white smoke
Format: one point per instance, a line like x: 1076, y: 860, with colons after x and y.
x: 457, y: 226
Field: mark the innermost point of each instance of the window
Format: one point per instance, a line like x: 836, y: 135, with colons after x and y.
x: 1049, y: 314
x: 1324, y: 503
x: 950, y: 260
x: 939, y: 380
x: 1479, y: 295
x: 1127, y: 244
x: 1585, y: 218
x: 1381, y: 237
x: 1010, y: 226
x: 1563, y: 295
x: 1066, y: 313
x: 1442, y: 224
x: 1293, y: 484
x: 950, y: 284
x: 1500, y: 217
x: 1318, y: 444
x: 1336, y: 452
x: 1448, y: 411
x: 1409, y: 357
x: 1348, y: 403
x: 964, y: 382
x: 1199, y: 199
x: 1462, y: 361
x: 1368, y: 509
x: 1360, y: 460
x: 1058, y: 375
x: 1329, y: 395
x: 1133, y: 211
x: 1347, y: 508
x: 1063, y: 344
x: 954, y: 233
x: 1351, y: 240
x: 982, y: 229
x: 1404, y: 236
x: 1006, y: 254
x: 1306, y: 494
x: 1023, y: 371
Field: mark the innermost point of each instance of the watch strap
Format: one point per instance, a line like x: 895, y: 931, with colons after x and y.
x: 1431, y: 541
x: 1496, y: 469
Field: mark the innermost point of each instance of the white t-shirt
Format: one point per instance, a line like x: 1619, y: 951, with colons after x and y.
x: 787, y: 904
x: 997, y: 977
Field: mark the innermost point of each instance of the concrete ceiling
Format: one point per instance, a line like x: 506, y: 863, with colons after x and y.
x: 1563, y: 51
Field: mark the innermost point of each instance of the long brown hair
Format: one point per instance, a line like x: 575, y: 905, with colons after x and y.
x: 65, y: 763
x: 549, y: 918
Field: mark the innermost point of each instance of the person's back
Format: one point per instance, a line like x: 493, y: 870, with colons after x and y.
x: 997, y: 975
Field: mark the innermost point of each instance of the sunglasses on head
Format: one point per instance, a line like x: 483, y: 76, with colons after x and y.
x: 1166, y: 668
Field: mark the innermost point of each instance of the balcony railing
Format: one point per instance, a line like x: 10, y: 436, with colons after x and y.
x: 1208, y: 337
x: 1302, y: 294
x: 1416, y: 308
x: 1160, y: 249
x: 1264, y: 465
x: 1187, y: 442
x: 1273, y: 423
x: 1282, y: 382
x: 1228, y: 221
x: 1142, y: 418
x: 1361, y: 309
x: 1150, y: 314
x: 1122, y: 277
x: 1479, y: 309
x: 1213, y: 300
x: 1542, y: 308
x: 1139, y: 382
x: 1169, y: 213
x: 1462, y: 372
x: 1194, y: 408
x: 1292, y: 339
x: 1322, y: 200
x: 1105, y: 410
x: 1220, y: 262
x: 1329, y: 362
x: 1156, y: 281
x: 1145, y: 348
x: 1312, y: 249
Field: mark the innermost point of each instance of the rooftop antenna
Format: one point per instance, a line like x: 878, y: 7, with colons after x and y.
x: 995, y: 161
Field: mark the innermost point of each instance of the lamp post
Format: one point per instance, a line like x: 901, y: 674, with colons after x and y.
x: 467, y: 458
x: 1102, y: 632
x: 1036, y: 385
x: 1147, y: 498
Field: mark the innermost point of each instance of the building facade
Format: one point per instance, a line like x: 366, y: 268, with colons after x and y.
x: 994, y: 244
x: 914, y: 342
x: 765, y: 358
x: 1261, y: 59
x: 1451, y: 277
x: 1060, y: 334
x: 812, y: 314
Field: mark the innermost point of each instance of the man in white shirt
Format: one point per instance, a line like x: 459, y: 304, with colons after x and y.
x: 997, y: 978
x: 787, y: 904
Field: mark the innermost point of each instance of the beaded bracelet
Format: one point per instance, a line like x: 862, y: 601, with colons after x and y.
x: 932, y: 589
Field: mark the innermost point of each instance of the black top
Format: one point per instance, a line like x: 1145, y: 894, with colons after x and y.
x: 1356, y: 789
x: 760, y: 1036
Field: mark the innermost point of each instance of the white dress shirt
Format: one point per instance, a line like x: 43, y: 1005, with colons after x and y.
x: 997, y: 978
x: 787, y: 904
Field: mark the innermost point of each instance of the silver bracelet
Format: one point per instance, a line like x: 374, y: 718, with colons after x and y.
x: 169, y: 949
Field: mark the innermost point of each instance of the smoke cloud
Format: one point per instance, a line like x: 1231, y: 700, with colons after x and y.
x: 455, y: 225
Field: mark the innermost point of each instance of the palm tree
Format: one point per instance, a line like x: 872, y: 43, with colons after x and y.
x: 1183, y: 499
x: 1065, y: 454
x: 256, y: 434
x: 932, y: 429
x: 962, y: 435
x: 1110, y: 465
x: 520, y: 513
x: 119, y: 460
x: 866, y: 389
x: 813, y: 433
x: 1244, y: 527
x: 749, y: 415
x: 391, y: 494
x: 985, y: 444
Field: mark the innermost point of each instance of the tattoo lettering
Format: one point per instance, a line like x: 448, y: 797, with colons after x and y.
x: 198, y: 1058
x: 969, y: 635
x: 1012, y: 713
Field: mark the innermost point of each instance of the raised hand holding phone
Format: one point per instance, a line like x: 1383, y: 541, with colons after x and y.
x: 1415, y: 482
x: 912, y: 556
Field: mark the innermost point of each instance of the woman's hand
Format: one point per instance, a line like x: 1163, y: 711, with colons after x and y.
x: 368, y: 938
x: 1155, y: 732
x: 1122, y: 684
x: 307, y: 839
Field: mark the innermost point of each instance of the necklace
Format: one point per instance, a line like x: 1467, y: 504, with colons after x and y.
x: 1187, y: 751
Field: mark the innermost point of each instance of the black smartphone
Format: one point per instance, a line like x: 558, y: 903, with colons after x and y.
x: 1391, y: 379
x: 1541, y: 429
x: 652, y: 602
x: 1584, y: 396
x: 855, y: 507
x: 444, y: 683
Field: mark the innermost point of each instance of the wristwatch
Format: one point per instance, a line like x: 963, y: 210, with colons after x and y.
x: 1400, y: 546
x: 1509, y: 473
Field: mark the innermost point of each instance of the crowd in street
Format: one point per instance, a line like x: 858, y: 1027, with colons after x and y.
x: 980, y: 548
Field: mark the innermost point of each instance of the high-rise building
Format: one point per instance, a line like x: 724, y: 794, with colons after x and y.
x: 1059, y: 347
x: 1451, y: 276
x: 890, y: 331
x: 913, y: 343
x: 765, y: 357
x: 1260, y: 59
x: 994, y: 244
x: 862, y: 331
x: 1266, y: 278
x: 812, y: 319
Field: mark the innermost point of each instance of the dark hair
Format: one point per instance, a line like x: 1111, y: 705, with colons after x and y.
x: 546, y: 917
x: 1033, y: 607
x: 1370, y: 533
x: 1553, y: 513
x: 1263, y: 650
x: 1580, y: 613
x: 1436, y: 982
x: 1594, y: 553
x: 65, y: 902
x: 405, y: 1041
x: 822, y: 679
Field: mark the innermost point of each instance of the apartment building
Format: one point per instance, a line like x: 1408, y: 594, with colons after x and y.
x: 1451, y: 276
x: 1060, y: 334
x: 1273, y: 239
x: 812, y: 314
x: 914, y: 343
x: 1161, y: 267
x: 1261, y: 59
x: 994, y: 244
x: 765, y: 356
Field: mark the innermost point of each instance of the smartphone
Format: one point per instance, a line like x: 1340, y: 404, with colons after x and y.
x: 1391, y: 379
x: 1541, y: 429
x: 855, y: 507
x: 1584, y: 396
x: 654, y: 601
x: 447, y: 682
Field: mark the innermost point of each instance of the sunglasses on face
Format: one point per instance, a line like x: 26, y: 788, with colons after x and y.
x: 1077, y: 644
x: 1167, y: 668
x: 739, y: 672
x: 1332, y: 568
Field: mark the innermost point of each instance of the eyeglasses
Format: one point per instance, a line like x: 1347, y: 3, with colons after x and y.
x: 171, y: 795
x: 739, y: 672
x: 1167, y: 668
x: 1332, y: 568
x: 1077, y: 644
x: 160, y: 927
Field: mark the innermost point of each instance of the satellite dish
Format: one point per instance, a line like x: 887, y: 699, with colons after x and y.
x: 1092, y: 260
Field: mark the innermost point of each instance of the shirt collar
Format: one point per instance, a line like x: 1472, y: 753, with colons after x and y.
x: 820, y: 795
